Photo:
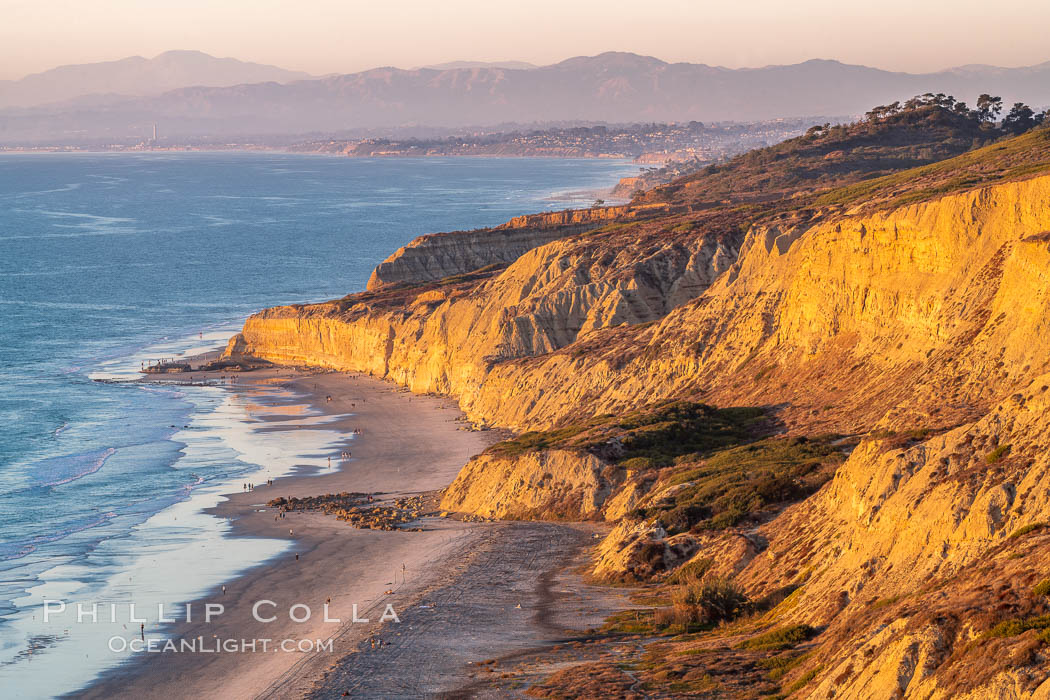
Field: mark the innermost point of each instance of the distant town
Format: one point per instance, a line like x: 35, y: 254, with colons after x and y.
x: 646, y: 143
x: 655, y: 144
x: 665, y: 151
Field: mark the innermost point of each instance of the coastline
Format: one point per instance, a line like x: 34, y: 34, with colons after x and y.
x: 321, y: 541
x: 408, y: 444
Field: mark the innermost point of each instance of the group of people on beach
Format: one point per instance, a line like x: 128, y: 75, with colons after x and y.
x: 249, y: 486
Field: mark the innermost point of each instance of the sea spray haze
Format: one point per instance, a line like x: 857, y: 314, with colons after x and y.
x: 109, y: 259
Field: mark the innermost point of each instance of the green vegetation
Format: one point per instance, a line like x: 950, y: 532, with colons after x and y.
x: 1018, y: 625
x: 804, y: 680
x: 997, y: 454
x: 830, y: 156
x: 727, y: 475
x: 733, y: 484
x: 630, y: 622
x: 924, y: 130
x: 780, y: 638
x: 681, y: 428
x: 535, y: 440
x: 1042, y: 588
x: 781, y: 665
x: 692, y: 570
x: 1021, y: 531
x: 652, y: 437
x: 1007, y: 160
x: 698, y: 604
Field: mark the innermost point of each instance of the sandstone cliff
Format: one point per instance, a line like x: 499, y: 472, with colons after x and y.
x: 910, y: 313
x: 923, y: 314
x: 917, y: 316
x: 449, y: 339
x: 439, y: 255
x: 911, y: 541
x: 549, y: 484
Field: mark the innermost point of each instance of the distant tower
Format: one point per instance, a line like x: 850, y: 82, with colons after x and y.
x: 154, y: 132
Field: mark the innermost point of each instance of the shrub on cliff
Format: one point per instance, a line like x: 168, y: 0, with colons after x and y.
x: 647, y: 438
x: 780, y: 638
x: 741, y: 482
x: 696, y: 602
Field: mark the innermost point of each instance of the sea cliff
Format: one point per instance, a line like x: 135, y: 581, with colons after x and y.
x: 876, y: 480
x: 953, y: 287
x: 440, y: 255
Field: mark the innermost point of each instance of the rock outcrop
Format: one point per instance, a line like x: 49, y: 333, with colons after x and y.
x: 548, y: 484
x: 897, y: 556
x: 922, y: 315
x: 436, y: 256
x: 440, y: 255
x: 449, y: 339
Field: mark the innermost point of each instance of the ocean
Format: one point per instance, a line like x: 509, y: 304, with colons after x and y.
x: 109, y: 260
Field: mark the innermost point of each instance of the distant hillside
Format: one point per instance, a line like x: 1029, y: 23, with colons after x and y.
x: 830, y: 157
x: 137, y: 76
x: 611, y: 87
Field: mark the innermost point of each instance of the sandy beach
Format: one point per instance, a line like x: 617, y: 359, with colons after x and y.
x: 463, y: 592
x: 406, y: 445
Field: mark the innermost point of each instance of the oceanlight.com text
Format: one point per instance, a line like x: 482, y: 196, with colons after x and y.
x: 202, y: 645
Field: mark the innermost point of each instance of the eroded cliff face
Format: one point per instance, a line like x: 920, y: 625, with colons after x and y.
x: 439, y: 255
x: 548, y: 484
x: 449, y: 340
x: 911, y: 555
x: 929, y: 319
x: 918, y: 316
x: 922, y: 315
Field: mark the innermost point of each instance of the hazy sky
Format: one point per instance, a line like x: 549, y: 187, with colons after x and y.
x: 327, y: 36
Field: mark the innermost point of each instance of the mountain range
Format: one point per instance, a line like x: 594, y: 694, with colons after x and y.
x: 138, y: 76
x: 223, y: 98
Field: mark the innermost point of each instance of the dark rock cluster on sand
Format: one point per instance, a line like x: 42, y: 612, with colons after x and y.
x: 360, y: 510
